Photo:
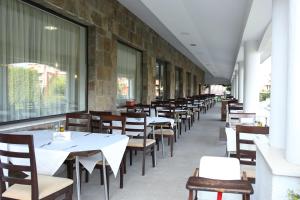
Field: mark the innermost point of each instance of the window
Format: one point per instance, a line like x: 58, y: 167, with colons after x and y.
x: 129, y: 74
x: 188, y: 84
x: 178, y: 82
x: 42, y: 63
x: 161, y: 79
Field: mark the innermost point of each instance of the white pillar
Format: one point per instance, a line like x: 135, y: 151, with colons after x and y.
x: 232, y: 86
x: 279, y: 73
x: 251, y: 84
x: 241, y: 81
x: 293, y: 82
x: 236, y: 85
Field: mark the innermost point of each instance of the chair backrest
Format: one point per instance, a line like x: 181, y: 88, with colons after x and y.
x: 143, y: 108
x: 237, y: 118
x: 130, y: 108
x: 78, y: 121
x: 247, y: 155
x: 95, y: 119
x: 168, y: 112
x: 136, y: 122
x: 112, y: 123
x: 26, y: 142
x: 235, y: 107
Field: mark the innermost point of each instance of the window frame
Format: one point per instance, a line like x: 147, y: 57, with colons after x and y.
x: 47, y: 10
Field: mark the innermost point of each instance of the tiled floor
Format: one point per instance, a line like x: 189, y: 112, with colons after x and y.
x: 167, y: 180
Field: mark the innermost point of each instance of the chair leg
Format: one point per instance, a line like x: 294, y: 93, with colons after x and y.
x: 172, y: 145
x: 107, y: 179
x: 153, y: 156
x: 175, y: 134
x: 246, y: 197
x: 124, y: 161
x: 87, y: 176
x: 121, y: 174
x: 70, y: 164
x: 130, y: 156
x: 144, y: 160
x: 180, y: 128
x: 157, y: 144
x: 69, y: 193
x: 101, y: 176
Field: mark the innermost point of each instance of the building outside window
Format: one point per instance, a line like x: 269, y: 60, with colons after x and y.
x: 42, y: 63
x: 178, y: 82
x: 129, y: 74
x: 160, y: 79
x: 188, y: 84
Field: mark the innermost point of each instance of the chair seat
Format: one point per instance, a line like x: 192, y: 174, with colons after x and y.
x: 47, y: 185
x: 139, y: 142
x: 249, y: 169
x: 167, y: 132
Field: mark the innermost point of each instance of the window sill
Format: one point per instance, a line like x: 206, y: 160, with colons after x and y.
x: 29, y: 124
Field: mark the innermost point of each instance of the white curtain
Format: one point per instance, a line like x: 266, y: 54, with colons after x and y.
x: 129, y: 74
x: 41, y: 58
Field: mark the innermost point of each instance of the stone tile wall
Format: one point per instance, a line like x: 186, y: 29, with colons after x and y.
x: 109, y: 22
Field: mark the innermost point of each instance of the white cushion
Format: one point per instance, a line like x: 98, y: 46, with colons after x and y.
x: 47, y: 186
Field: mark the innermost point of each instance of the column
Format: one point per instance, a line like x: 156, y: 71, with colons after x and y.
x: 233, y: 86
x: 293, y: 82
x: 251, y: 84
x: 236, y: 84
x: 279, y: 73
x: 241, y: 81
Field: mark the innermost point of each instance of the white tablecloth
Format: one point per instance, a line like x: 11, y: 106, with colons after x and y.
x: 50, y: 154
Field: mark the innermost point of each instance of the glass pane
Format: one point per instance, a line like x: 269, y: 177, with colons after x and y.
x: 129, y: 73
x: 42, y: 63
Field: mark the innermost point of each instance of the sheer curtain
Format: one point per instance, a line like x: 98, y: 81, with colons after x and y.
x: 128, y: 74
x: 41, y: 62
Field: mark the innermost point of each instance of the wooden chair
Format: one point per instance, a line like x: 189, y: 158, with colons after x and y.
x: 136, y: 122
x: 35, y: 186
x: 143, y: 108
x: 111, y: 123
x: 218, y: 175
x: 77, y: 122
x: 165, y: 129
x: 181, y: 104
x: 244, y: 152
x: 95, y: 119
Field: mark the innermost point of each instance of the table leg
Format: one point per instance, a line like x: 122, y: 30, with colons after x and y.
x: 105, y: 178
x: 154, y: 145
x: 162, y: 142
x: 77, y: 176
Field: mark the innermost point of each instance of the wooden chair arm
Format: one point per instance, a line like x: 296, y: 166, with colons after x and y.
x: 196, y: 172
x: 225, y: 186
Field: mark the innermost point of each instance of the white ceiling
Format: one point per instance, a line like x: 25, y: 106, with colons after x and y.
x: 215, y: 26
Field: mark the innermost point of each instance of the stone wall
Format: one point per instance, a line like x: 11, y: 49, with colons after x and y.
x: 109, y: 22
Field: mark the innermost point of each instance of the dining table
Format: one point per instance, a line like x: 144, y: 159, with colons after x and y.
x: 53, y: 148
